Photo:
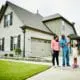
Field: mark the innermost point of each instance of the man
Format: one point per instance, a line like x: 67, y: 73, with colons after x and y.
x: 65, y: 50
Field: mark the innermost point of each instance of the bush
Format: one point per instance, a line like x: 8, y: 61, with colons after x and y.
x: 5, y: 55
x: 11, y: 55
x: 17, y: 51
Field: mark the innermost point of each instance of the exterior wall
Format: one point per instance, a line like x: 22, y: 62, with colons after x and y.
x: 60, y: 27
x: 54, y: 26
x: 9, y: 31
x: 66, y: 28
x: 15, y: 30
x: 34, y: 34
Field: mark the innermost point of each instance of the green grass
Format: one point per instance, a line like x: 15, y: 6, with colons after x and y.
x: 19, y: 71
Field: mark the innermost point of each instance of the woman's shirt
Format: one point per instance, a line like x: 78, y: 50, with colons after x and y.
x: 55, y: 45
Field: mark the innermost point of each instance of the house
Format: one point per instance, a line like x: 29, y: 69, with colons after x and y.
x: 39, y: 30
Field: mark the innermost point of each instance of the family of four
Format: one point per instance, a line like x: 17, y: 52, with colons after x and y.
x: 64, y: 43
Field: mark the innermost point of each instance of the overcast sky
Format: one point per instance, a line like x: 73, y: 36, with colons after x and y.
x: 67, y: 8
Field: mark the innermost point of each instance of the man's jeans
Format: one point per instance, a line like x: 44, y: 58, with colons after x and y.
x: 65, y: 57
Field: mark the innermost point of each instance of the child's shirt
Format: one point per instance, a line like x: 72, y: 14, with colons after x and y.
x: 74, y: 52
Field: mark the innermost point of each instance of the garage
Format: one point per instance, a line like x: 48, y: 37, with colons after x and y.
x: 40, y: 47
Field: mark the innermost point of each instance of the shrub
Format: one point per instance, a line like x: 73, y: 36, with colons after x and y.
x: 5, y: 55
x: 17, y: 51
x: 11, y: 55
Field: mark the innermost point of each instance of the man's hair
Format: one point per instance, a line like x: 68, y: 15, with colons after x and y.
x: 63, y: 36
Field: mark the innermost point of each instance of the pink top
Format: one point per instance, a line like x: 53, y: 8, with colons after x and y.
x: 55, y: 45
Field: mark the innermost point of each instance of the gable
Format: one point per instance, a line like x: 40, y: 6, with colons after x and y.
x: 16, y: 21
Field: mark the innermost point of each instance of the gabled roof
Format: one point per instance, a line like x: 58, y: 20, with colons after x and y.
x: 28, y: 18
x: 51, y: 17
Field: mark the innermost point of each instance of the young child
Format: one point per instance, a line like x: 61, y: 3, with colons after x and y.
x: 74, y: 54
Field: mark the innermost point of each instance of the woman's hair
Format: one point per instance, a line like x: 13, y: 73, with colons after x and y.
x: 55, y: 36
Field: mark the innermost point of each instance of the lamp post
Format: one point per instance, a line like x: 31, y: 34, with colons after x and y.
x: 23, y: 30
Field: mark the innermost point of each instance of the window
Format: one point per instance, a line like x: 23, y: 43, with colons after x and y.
x: 8, y: 20
x: 2, y: 44
x: 15, y: 42
x: 63, y: 25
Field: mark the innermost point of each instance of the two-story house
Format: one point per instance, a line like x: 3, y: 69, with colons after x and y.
x: 39, y: 30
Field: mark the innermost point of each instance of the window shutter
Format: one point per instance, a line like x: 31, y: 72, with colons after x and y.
x: 11, y: 43
x: 4, y: 20
x: 11, y: 18
x: 0, y: 45
x: 3, y: 44
x: 19, y: 41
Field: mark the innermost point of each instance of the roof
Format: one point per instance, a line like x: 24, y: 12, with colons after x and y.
x: 75, y: 37
x: 54, y: 17
x: 28, y: 18
x: 32, y: 20
x: 51, y: 17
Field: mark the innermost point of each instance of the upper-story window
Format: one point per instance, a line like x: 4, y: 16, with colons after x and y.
x: 8, y: 19
x: 63, y: 25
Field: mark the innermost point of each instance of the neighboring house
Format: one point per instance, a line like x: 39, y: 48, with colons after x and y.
x: 39, y: 30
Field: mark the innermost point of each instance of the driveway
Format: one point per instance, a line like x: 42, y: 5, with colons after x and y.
x: 66, y: 73
x: 59, y: 73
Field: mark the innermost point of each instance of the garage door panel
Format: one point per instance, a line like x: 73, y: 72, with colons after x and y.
x: 40, y: 47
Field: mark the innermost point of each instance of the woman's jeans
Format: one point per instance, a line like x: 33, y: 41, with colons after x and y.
x: 55, y: 55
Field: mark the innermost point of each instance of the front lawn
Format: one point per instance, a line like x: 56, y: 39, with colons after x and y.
x: 19, y: 71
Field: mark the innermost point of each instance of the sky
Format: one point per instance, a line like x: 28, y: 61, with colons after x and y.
x: 67, y: 8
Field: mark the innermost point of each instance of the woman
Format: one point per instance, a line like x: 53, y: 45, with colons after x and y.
x: 55, y: 50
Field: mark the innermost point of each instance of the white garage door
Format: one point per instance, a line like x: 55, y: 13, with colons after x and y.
x: 40, y: 47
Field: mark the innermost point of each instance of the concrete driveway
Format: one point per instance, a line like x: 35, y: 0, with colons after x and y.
x: 59, y: 73
x: 66, y: 73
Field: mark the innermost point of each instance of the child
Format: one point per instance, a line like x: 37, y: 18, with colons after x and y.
x: 75, y: 54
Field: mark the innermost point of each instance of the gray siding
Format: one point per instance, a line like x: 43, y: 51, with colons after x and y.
x: 54, y: 26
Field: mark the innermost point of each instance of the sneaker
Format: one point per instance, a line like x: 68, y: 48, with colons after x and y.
x: 63, y: 65
x: 54, y: 66
x: 68, y: 65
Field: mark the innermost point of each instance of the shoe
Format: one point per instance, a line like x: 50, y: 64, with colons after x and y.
x: 63, y: 65
x: 68, y: 65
